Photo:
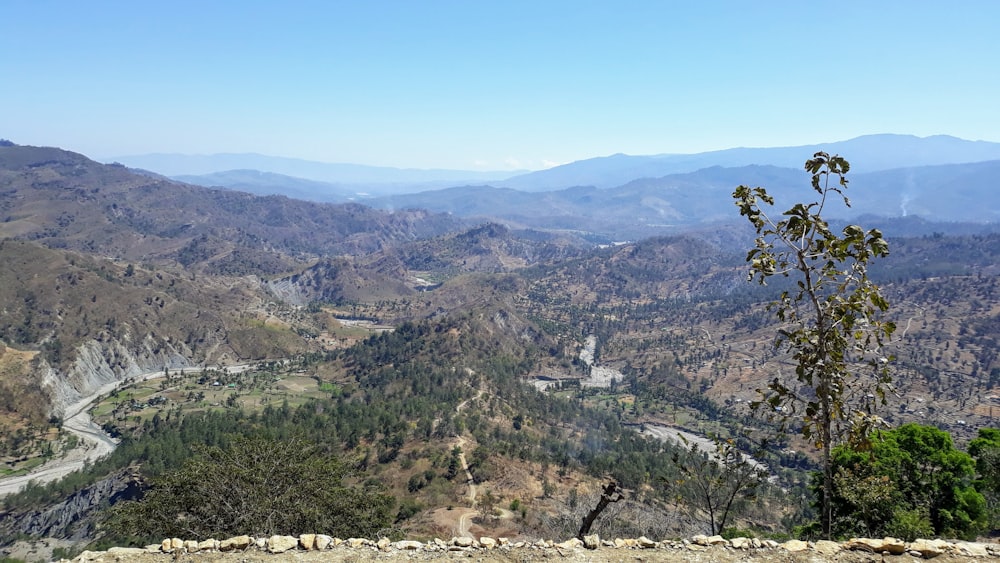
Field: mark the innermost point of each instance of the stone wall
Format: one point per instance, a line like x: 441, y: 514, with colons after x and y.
x: 738, y: 547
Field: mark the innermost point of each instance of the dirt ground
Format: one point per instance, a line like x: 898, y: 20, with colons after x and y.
x: 710, y: 555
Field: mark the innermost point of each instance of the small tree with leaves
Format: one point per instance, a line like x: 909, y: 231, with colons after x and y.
x: 831, y: 319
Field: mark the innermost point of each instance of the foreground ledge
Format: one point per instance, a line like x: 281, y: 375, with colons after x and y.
x: 279, y: 544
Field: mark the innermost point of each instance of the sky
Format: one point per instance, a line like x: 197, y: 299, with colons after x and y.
x: 490, y: 85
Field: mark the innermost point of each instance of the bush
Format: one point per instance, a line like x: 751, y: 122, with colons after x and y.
x: 256, y: 486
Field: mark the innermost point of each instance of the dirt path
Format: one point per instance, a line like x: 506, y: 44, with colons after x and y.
x: 465, y: 520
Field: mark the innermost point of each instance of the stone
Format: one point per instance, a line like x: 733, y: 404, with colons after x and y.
x: 646, y: 543
x: 153, y: 548
x: 619, y: 543
x: 261, y: 543
x: 323, y: 541
x: 887, y: 544
x: 281, y: 544
x: 407, y: 545
x: 356, y: 543
x: 126, y: 552
x: 699, y: 539
x: 716, y: 540
x: 795, y: 546
x: 504, y: 542
x: 696, y: 547
x: 383, y: 544
x: 827, y: 547
x: 307, y: 541
x: 929, y: 548
x: 176, y: 543
x: 571, y: 543
x: 592, y: 541
x: 770, y: 544
x: 971, y: 549
x: 463, y: 541
x: 190, y: 546
x: 756, y: 543
x: 236, y: 543
x: 487, y: 543
x: 165, y: 546
x: 741, y: 543
x: 208, y: 545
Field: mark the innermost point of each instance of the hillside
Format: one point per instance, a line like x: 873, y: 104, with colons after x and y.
x: 551, y: 365
x: 64, y: 200
x: 676, y: 203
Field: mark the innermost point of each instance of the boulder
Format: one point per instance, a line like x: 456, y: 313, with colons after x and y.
x: 281, y: 544
x: 190, y: 546
x: 741, y: 543
x: 646, y: 543
x: 323, y: 541
x: 827, y: 547
x: 929, y: 548
x: 487, y: 543
x: 971, y: 549
x: 237, y: 543
x: 571, y: 543
x: 208, y: 545
x: 383, y: 544
x: 463, y: 541
x: 407, y: 545
x: 307, y: 541
x: 592, y: 541
x: 795, y: 546
x: 356, y: 543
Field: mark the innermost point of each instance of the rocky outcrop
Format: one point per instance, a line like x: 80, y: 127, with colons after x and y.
x: 100, y: 364
x: 72, y: 518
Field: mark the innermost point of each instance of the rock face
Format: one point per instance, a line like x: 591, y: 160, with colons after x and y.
x: 70, y: 519
x: 99, y: 364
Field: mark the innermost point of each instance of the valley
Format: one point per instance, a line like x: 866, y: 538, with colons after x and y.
x: 490, y: 373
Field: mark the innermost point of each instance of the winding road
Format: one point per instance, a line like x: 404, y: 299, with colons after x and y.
x: 93, y: 442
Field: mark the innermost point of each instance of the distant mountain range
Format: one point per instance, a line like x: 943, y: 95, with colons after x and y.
x: 650, y: 206
x: 330, y: 181
x: 869, y: 153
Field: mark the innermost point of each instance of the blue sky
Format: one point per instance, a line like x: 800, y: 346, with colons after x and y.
x: 490, y: 85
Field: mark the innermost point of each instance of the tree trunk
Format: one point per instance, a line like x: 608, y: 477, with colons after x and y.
x: 610, y: 495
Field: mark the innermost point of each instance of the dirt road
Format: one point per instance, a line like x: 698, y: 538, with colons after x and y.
x: 93, y: 442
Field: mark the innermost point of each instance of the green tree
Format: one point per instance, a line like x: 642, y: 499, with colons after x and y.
x: 256, y: 486
x: 831, y: 320
x: 911, y: 480
x: 985, y: 449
